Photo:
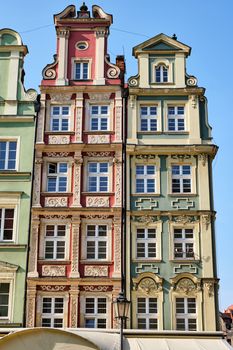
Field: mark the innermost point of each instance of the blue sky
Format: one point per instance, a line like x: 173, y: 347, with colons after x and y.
x: 206, y: 26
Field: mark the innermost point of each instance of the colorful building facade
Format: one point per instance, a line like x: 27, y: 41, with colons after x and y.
x: 17, y: 133
x: 170, y: 215
x: 74, y: 270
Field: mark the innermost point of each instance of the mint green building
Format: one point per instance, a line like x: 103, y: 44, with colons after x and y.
x: 170, y: 215
x: 17, y: 132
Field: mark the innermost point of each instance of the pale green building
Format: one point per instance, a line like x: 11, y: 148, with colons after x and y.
x: 170, y: 215
x: 17, y: 131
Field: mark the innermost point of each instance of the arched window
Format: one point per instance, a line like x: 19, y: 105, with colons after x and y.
x: 161, y: 74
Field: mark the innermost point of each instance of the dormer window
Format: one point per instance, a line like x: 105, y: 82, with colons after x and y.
x: 161, y: 74
x: 81, y: 70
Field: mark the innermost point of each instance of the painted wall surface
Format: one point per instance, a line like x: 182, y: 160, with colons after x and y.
x: 17, y: 123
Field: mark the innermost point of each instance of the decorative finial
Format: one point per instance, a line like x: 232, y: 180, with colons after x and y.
x: 174, y: 37
x: 83, y: 8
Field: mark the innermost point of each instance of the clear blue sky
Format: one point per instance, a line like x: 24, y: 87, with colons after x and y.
x: 206, y: 26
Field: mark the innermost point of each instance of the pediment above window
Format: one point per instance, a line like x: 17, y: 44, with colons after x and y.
x: 7, y: 267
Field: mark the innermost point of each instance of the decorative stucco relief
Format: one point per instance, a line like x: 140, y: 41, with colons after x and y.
x: 114, y: 71
x: 49, y: 288
x: 206, y: 220
x: 49, y: 71
x: 53, y: 270
x: 96, y: 288
x: 185, y: 268
x: 98, y: 139
x: 96, y: 271
x: 186, y: 286
x: 59, y: 140
x: 97, y: 201
x: 56, y: 202
x: 99, y: 97
x: 146, y: 203
x: 203, y: 158
x: 146, y: 268
x: 145, y: 219
x: 182, y: 203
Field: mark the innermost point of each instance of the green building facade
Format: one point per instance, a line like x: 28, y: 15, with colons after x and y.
x: 170, y: 214
x: 17, y: 132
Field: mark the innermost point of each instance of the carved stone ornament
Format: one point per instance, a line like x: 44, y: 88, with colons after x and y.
x: 181, y: 157
x: 132, y: 101
x: 203, y: 158
x: 134, y: 81
x: 53, y: 270
x: 191, y: 80
x: 186, y: 286
x: 53, y: 288
x: 59, y: 139
x: 146, y: 219
x: 96, y: 271
x: 57, y: 154
x: 64, y: 97
x: 49, y: 72
x: 146, y: 156
x: 206, y: 220
x: 114, y: 71
x: 96, y: 288
x: 59, y: 217
x: 98, y: 138
x: 98, y: 217
x: 99, y: 97
x: 193, y: 100
x: 56, y: 202
x: 98, y: 154
x: 183, y: 219
x: 63, y: 33
x: 29, y: 95
x: 148, y: 286
x: 97, y: 201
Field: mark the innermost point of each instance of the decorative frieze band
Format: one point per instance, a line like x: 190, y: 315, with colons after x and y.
x: 96, y: 271
x: 97, y: 202
x: 56, y: 202
x: 58, y: 271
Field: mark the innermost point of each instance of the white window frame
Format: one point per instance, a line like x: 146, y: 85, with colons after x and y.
x: 162, y: 68
x: 60, y: 117
x: 167, y: 63
x: 55, y: 239
x: 184, y: 242
x: 99, y: 117
x: 52, y: 316
x: 97, y: 239
x: 2, y: 224
x: 186, y: 316
x: 8, y: 275
x: 81, y: 60
x: 95, y: 315
x: 57, y: 175
x: 98, y: 176
x: 146, y: 177
x: 8, y: 140
x: 177, y: 117
x: 11, y: 201
x: 182, y: 177
x: 146, y: 242
x: 148, y: 117
x: 147, y: 315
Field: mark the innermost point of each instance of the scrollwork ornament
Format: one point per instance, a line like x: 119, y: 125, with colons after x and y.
x: 183, y: 219
x: 114, y: 71
x: 186, y: 286
x: 148, y: 286
x: 203, y: 158
x: 49, y: 73
x: 206, y: 219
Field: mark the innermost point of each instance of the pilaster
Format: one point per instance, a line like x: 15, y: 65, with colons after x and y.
x: 75, y: 253
x: 63, y: 35
x: 33, y: 254
x: 203, y: 182
x: 79, y: 117
x: 100, y: 52
x: 41, y: 120
x: 13, y: 73
x: 118, y: 179
x: 77, y: 179
x: 117, y: 246
x: 37, y: 183
x: 31, y: 306
x: 74, y: 294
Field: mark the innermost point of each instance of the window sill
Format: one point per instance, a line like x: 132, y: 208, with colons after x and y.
x: 182, y: 194
x: 98, y: 194
x: 185, y: 259
x: 77, y: 80
x: 149, y: 132
x: 59, y: 132
x: 146, y: 260
x: 99, y: 132
x: 56, y: 194
x: 145, y: 194
x: 53, y: 262
x: 176, y: 132
x: 12, y: 245
x: 161, y: 83
x: 96, y: 262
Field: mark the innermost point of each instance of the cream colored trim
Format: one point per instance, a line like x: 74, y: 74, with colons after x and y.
x: 176, y: 103
x: 87, y: 160
x: 18, y: 141
x: 102, y: 102
x: 48, y: 160
x: 9, y: 277
x: 12, y: 201
x: 182, y: 161
x: 165, y: 62
x: 159, y: 114
x: 41, y: 295
x: 145, y: 161
x: 196, y: 240
x: 50, y: 104
x: 84, y: 224
x: 158, y: 226
x: 81, y: 59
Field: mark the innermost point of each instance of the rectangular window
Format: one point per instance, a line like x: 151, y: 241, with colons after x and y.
x: 96, y: 242
x: 81, y: 71
x: 8, y: 155
x: 55, y: 242
x: 181, y: 179
x: 147, y: 313
x: 146, y: 243
x: 176, y: 118
x: 99, y: 118
x: 183, y: 243
x: 148, y: 118
x: 145, y: 178
x: 6, y: 224
x: 96, y: 312
x: 186, y: 317
x: 98, y: 177
x: 4, y: 299
x: 60, y: 118
x: 161, y: 74
x: 52, y: 312
x: 57, y: 177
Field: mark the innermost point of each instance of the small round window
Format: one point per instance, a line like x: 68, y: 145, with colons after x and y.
x: 82, y: 45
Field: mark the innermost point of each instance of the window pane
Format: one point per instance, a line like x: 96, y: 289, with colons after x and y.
x: 4, y: 299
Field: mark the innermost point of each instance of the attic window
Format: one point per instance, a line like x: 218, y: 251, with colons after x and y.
x: 81, y: 45
x: 161, y: 74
